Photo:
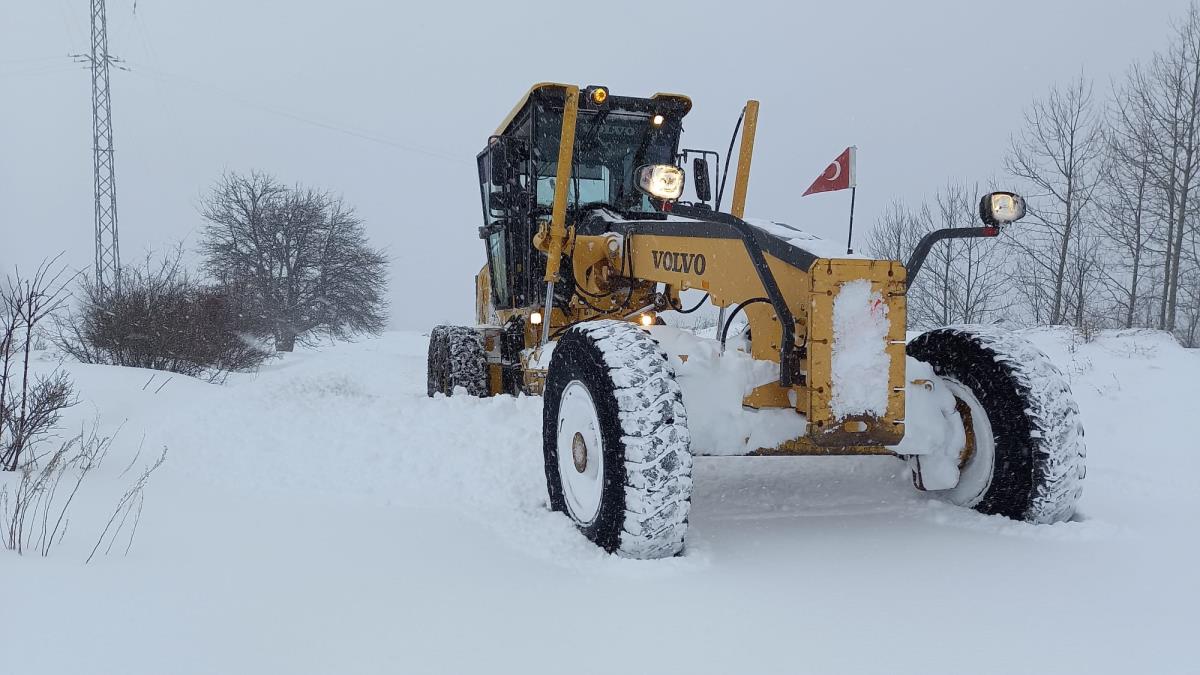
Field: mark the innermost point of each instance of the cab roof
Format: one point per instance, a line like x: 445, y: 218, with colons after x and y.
x: 540, y: 86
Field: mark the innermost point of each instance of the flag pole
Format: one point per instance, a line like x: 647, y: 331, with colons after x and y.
x: 850, y: 236
x: 853, y: 194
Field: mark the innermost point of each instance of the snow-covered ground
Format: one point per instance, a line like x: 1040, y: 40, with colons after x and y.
x: 324, y: 516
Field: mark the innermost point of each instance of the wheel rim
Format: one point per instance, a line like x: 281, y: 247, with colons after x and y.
x: 580, y: 453
x: 975, y: 473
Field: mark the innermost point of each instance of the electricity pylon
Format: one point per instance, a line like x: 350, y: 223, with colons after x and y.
x: 108, y: 257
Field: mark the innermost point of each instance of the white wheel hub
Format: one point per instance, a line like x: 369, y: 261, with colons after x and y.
x: 975, y: 473
x: 580, y: 453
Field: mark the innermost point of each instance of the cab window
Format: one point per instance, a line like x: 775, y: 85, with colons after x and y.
x: 609, y: 147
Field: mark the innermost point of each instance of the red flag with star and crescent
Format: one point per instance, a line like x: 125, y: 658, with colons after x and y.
x: 839, y: 175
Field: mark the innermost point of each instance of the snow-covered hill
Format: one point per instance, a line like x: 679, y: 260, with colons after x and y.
x: 324, y: 516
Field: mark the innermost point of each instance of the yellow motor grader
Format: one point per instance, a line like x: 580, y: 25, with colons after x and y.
x: 590, y: 247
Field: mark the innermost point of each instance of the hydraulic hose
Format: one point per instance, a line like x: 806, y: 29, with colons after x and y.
x: 733, y: 314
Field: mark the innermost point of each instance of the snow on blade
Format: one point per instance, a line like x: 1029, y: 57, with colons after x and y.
x: 714, y: 385
x: 860, y: 362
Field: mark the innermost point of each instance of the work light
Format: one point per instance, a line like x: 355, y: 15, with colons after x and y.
x: 661, y: 181
x: 597, y: 95
x: 1001, y: 208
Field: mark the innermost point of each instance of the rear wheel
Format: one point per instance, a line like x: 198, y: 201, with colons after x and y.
x: 456, y: 359
x: 615, y: 439
x: 1024, y: 457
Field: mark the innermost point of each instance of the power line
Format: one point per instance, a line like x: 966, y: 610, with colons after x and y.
x: 42, y: 69
x: 34, y: 59
x: 187, y: 82
x: 179, y: 80
x: 69, y: 23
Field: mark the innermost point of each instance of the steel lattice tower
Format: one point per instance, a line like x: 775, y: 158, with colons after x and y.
x: 108, y: 258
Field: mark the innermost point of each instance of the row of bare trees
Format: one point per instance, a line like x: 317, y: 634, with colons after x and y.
x: 1154, y: 144
x: 1112, y: 239
x: 963, y: 280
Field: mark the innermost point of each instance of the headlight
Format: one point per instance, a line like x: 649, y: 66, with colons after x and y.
x: 661, y: 181
x: 1001, y: 208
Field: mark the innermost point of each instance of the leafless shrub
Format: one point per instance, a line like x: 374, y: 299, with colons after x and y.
x: 164, y: 320
x: 1089, y: 330
x: 30, y: 404
x: 130, y: 504
x: 36, y: 501
x: 34, y: 511
x: 40, y: 481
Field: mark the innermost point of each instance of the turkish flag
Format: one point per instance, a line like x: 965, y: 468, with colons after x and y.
x: 839, y: 175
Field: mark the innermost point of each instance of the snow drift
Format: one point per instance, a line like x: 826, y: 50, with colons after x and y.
x: 325, y: 516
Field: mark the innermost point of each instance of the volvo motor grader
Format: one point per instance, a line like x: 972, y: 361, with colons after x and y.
x: 591, y: 248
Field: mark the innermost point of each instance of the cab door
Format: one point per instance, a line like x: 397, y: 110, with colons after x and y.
x: 507, y: 235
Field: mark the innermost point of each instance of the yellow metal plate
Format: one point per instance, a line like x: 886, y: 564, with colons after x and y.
x: 827, y: 277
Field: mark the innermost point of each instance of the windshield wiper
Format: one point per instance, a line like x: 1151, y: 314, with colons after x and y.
x: 594, y: 130
x: 642, y: 144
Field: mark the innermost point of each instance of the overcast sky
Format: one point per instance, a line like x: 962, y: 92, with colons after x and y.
x: 388, y: 104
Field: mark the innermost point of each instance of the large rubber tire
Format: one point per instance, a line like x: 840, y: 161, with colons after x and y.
x: 456, y: 359
x: 644, y: 492
x: 1038, y: 461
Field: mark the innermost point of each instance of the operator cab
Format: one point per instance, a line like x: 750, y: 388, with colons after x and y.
x: 615, y: 136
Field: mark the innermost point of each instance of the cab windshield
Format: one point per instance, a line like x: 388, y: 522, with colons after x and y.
x: 609, y: 147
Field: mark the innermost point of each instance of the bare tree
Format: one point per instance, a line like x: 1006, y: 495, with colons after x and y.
x: 1084, y: 278
x: 895, y: 234
x: 1127, y: 219
x: 1188, y: 328
x: 298, y: 257
x: 1060, y: 154
x: 1163, y: 98
x: 30, y: 403
x: 1178, y: 70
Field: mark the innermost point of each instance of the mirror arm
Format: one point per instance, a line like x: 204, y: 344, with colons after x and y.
x: 917, y: 259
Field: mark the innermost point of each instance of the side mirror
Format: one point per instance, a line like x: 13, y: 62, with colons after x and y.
x: 507, y: 202
x: 1001, y: 208
x: 703, y: 184
x: 498, y: 157
x: 499, y: 202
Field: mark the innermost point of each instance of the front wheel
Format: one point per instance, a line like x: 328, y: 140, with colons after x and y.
x: 615, y: 440
x: 1024, y: 457
x: 456, y: 359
